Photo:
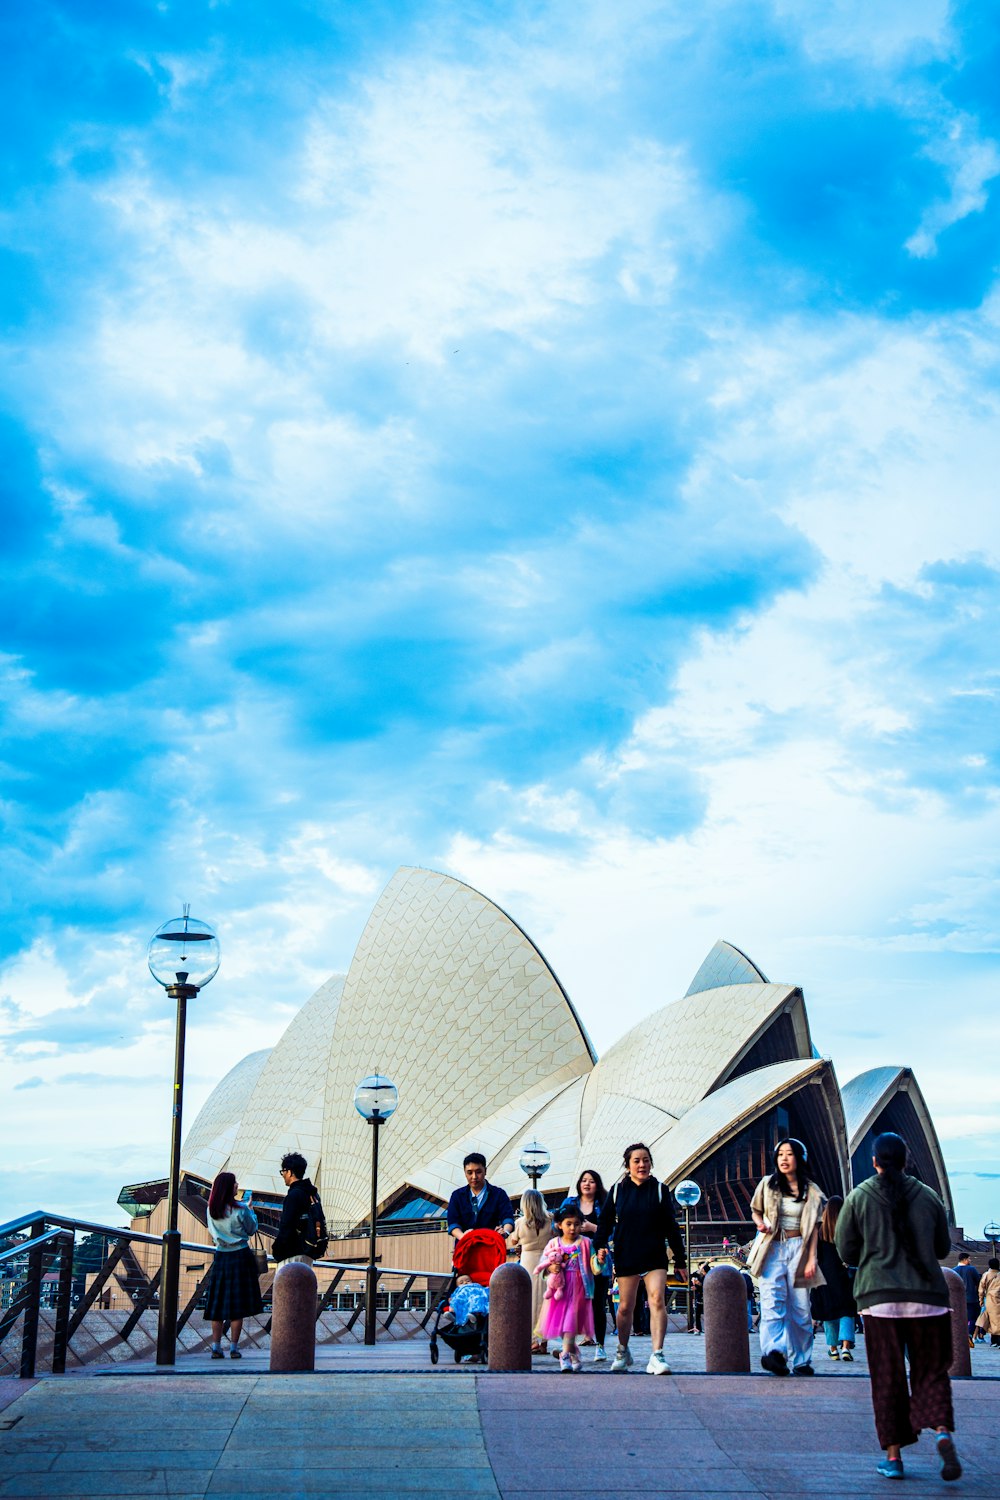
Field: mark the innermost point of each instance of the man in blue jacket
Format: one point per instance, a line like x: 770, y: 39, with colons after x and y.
x: 970, y: 1276
x: 479, y: 1205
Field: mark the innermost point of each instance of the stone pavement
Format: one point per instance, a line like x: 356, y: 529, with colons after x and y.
x: 355, y: 1428
x: 686, y: 1353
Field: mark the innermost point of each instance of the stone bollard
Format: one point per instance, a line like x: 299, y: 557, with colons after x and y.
x: 509, y: 1345
x: 293, y: 1318
x: 961, y: 1354
x: 727, y: 1343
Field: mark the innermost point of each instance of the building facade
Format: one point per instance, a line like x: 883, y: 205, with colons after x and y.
x: 448, y: 997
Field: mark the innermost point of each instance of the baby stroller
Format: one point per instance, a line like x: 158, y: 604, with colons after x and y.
x: 477, y: 1256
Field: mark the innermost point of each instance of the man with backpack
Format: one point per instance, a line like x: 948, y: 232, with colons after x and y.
x: 301, y: 1232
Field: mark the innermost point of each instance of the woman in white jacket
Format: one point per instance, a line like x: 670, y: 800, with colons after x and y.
x: 233, y: 1285
x: 786, y: 1210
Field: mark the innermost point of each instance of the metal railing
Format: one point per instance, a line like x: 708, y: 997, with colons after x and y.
x: 37, y: 1271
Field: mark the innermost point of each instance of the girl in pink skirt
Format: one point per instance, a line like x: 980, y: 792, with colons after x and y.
x: 567, y: 1309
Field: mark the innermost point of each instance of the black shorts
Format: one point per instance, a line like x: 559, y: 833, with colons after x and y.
x: 650, y: 1264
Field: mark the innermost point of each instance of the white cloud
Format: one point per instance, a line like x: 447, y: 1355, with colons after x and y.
x: 880, y: 442
x: 878, y: 35
x: 971, y: 163
x: 37, y: 984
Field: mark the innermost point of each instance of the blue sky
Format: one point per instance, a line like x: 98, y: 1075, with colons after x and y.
x: 556, y: 444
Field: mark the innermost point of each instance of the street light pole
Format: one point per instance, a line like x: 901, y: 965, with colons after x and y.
x: 371, y: 1274
x: 688, y: 1194
x: 687, y: 1253
x: 183, y: 956
x: 534, y: 1162
x: 375, y: 1099
x: 170, y: 1264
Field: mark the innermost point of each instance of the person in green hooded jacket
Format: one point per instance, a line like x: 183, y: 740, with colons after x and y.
x: 895, y: 1230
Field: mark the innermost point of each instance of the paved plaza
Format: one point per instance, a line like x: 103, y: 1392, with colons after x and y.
x: 380, y: 1422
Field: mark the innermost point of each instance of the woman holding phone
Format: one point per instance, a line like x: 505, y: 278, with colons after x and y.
x: 233, y: 1283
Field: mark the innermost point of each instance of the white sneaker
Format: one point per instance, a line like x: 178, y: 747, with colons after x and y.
x: 623, y: 1359
x: 599, y: 1354
x: 575, y: 1363
x: 657, y: 1363
x: 565, y: 1365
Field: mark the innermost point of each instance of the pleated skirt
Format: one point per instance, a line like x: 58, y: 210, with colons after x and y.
x: 233, y: 1287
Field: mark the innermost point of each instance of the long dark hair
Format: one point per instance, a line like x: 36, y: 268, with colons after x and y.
x: 778, y: 1182
x: 600, y: 1191
x: 831, y: 1213
x: 222, y: 1198
x: 889, y: 1151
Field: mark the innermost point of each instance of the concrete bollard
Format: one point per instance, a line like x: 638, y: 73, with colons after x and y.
x: 961, y: 1354
x: 293, y: 1318
x: 727, y: 1343
x: 509, y: 1345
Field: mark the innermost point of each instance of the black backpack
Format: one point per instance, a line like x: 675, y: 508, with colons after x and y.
x: 310, y: 1230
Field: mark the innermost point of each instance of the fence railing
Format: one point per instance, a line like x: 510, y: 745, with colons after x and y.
x: 40, y: 1270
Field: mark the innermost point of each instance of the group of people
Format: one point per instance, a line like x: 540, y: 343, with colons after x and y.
x: 876, y: 1254
x: 982, y: 1300
x: 233, y: 1291
x: 573, y: 1267
x: 892, y: 1230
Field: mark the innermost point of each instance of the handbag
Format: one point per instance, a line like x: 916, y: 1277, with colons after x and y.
x: 757, y: 1253
x: 260, y: 1256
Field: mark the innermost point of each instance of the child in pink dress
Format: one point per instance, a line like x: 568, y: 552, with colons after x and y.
x: 567, y: 1309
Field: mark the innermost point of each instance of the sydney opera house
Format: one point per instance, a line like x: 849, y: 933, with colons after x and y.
x: 447, y: 996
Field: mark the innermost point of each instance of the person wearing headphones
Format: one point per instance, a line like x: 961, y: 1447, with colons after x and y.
x: 786, y: 1209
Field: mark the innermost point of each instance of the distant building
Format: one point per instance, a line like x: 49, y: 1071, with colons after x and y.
x: 448, y: 997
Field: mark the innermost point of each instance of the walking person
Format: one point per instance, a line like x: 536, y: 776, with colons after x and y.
x: 567, y: 1311
x: 833, y: 1304
x: 480, y: 1204
x: 697, y: 1302
x: 748, y: 1285
x: 970, y: 1276
x: 233, y: 1283
x: 895, y: 1230
x: 531, y: 1233
x: 589, y: 1199
x: 989, y: 1299
x: 786, y: 1209
x: 638, y: 1215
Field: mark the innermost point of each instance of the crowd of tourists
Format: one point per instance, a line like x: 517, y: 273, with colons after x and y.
x: 870, y: 1263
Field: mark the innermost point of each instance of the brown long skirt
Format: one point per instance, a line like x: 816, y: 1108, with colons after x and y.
x: 901, y: 1410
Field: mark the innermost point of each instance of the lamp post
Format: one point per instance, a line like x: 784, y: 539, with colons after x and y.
x: 183, y: 956
x: 688, y: 1195
x: 375, y: 1099
x: 992, y: 1233
x: 534, y: 1162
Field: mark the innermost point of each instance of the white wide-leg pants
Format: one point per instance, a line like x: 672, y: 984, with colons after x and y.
x: 785, y: 1317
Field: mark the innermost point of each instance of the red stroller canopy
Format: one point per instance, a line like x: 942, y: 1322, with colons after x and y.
x: 478, y: 1253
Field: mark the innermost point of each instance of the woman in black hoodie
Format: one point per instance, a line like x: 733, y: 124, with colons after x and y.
x: 638, y: 1215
